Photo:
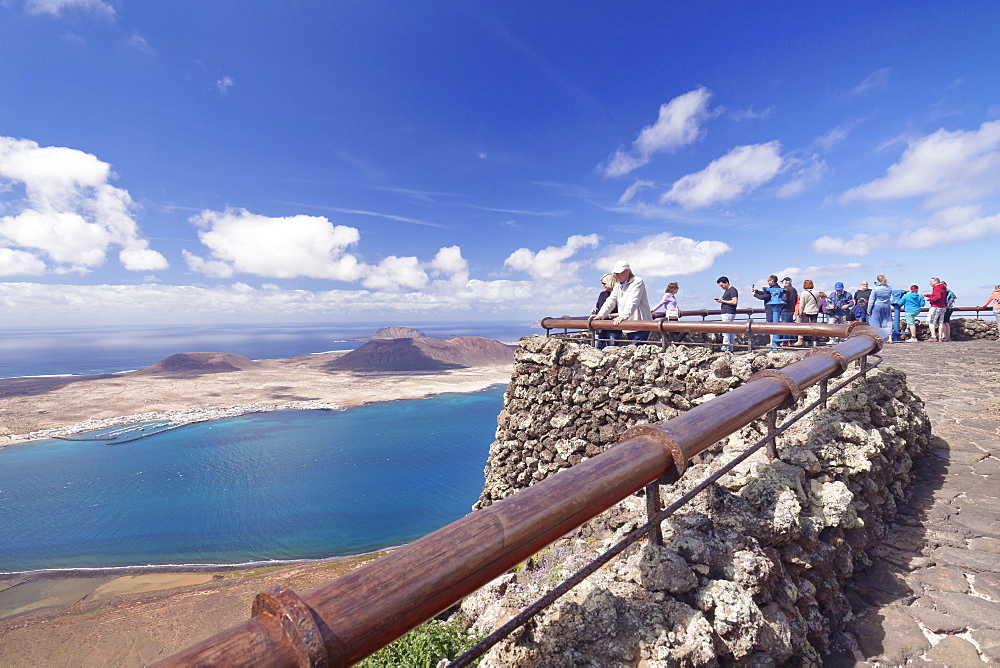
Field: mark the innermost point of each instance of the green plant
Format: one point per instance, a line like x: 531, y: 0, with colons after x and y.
x: 424, y: 646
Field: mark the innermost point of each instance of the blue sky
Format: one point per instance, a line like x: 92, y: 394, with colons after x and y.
x: 245, y: 161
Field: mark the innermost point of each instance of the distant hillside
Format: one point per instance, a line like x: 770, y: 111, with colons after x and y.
x: 394, y: 332
x: 200, y: 363
x: 424, y: 354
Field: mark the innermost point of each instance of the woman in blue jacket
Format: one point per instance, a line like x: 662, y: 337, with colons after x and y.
x: 879, y: 306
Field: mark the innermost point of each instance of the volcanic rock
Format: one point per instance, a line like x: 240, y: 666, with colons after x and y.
x: 188, y: 363
x: 424, y: 354
x: 393, y: 332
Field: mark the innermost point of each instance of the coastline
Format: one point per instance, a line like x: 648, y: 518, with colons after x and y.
x: 57, y: 406
x: 44, y: 407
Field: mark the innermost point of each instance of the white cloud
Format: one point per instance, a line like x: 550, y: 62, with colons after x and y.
x: 137, y: 42
x: 224, y: 84
x: 56, y: 7
x: 859, y: 244
x: 944, y: 168
x: 952, y: 226
x: 140, y: 258
x: 210, y: 268
x: 833, y: 137
x: 743, y: 169
x: 550, y: 263
x: 37, y: 303
x: 247, y: 243
x: 241, y: 242
x: 450, y: 264
x: 663, y: 255
x: 395, y: 272
x: 678, y: 125
x: 69, y: 212
x: 19, y: 263
x: 808, y: 174
x: 633, y: 190
x: 877, y: 80
x: 750, y: 114
x: 818, y: 274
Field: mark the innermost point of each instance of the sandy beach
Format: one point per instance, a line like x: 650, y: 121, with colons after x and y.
x: 42, y: 407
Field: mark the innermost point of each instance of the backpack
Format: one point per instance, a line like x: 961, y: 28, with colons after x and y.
x: 952, y: 298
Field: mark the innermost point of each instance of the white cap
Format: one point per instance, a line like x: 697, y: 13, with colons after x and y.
x: 620, y: 266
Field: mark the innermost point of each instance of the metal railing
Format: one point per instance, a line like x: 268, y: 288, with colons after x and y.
x: 576, y: 327
x: 347, y: 619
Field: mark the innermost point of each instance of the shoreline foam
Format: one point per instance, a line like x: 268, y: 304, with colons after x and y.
x: 175, y: 418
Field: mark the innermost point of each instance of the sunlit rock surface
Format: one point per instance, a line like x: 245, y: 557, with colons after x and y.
x: 753, y: 570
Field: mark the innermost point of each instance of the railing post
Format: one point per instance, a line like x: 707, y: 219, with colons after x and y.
x: 653, y: 508
x: 772, y: 427
x: 823, y: 391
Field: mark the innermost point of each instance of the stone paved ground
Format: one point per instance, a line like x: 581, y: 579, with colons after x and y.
x: 932, y: 594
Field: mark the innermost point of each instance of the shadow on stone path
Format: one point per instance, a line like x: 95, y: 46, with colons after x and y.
x: 932, y: 593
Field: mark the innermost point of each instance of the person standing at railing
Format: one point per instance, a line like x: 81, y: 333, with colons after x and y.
x: 839, y: 303
x: 861, y: 298
x: 727, y: 303
x: 950, y: 300
x: 669, y: 310
x: 995, y: 300
x: 628, y: 299
x: 879, y: 306
x: 911, y: 303
x: 938, y: 298
x: 605, y: 337
x: 774, y: 301
x: 807, y: 309
x: 791, y: 298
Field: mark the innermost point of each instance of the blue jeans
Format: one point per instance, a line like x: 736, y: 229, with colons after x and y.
x: 606, y: 337
x: 786, y: 316
x: 774, y: 315
x: 634, y: 338
x: 728, y: 339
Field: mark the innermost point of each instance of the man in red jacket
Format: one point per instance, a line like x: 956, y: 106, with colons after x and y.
x: 938, y: 299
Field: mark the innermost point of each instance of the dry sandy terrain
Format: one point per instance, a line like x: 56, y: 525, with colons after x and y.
x: 31, y: 404
x: 134, y: 620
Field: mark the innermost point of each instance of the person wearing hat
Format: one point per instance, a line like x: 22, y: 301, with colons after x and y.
x: 839, y: 303
x: 628, y: 299
x: 605, y: 337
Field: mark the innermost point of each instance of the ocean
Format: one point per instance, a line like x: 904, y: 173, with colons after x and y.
x: 47, y: 351
x: 281, y: 485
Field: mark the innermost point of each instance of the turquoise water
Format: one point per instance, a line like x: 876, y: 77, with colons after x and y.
x: 266, y: 486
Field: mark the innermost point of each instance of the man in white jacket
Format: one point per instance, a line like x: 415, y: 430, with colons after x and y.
x: 628, y: 298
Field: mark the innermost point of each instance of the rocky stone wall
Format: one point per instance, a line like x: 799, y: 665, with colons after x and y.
x: 752, y: 571
x: 963, y: 329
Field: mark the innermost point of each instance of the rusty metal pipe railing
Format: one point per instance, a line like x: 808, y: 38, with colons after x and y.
x: 349, y: 618
x: 735, y: 327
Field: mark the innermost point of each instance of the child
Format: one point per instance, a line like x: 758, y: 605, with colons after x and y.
x: 911, y: 303
x: 670, y: 309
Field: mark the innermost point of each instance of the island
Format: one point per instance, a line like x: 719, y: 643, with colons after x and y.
x: 197, y: 386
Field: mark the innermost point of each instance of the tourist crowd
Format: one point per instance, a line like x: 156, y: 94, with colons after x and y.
x: 623, y: 298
